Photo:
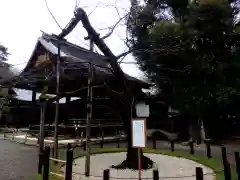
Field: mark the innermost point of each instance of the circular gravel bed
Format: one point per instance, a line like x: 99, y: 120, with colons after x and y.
x: 168, y: 167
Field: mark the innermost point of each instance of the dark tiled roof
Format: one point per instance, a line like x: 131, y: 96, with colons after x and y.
x: 84, y: 55
x: 77, y: 54
x: 74, y: 56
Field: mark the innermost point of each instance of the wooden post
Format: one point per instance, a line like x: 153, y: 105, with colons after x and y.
x: 209, y: 155
x: 199, y: 173
x: 155, y: 174
x: 84, y: 145
x: 69, y: 146
x: 68, y: 174
x: 106, y: 174
x: 46, y: 163
x: 172, y: 145
x: 139, y: 164
x: 77, y: 135
x: 191, y: 147
x: 224, y: 155
x: 13, y: 134
x: 40, y: 160
x: 229, y: 176
x: 38, y: 138
x: 102, y: 140
x: 25, y: 139
x: 118, y: 138
x: 89, y: 114
x: 81, y: 137
x: 199, y: 141
x: 5, y: 135
x: 57, y: 103
x: 237, y: 160
x: 52, y: 151
x: 68, y: 99
x: 154, y: 142
x: 226, y: 165
x: 42, y: 112
x: 34, y: 94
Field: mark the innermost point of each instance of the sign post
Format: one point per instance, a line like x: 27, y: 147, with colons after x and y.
x: 139, y: 164
x: 139, y: 139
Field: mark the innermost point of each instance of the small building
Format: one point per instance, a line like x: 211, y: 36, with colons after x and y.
x: 40, y: 76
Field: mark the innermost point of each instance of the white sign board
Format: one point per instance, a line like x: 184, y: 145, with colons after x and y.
x: 139, y: 133
x: 142, y: 110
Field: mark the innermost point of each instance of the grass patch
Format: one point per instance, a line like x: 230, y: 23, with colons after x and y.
x: 213, y: 163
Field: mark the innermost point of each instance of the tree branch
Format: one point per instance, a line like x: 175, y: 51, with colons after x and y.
x: 52, y: 15
x: 113, y: 27
x: 81, y: 15
x: 124, y: 54
x: 99, y: 2
x: 76, y: 4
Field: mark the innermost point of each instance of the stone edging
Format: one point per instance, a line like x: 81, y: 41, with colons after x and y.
x: 152, y: 151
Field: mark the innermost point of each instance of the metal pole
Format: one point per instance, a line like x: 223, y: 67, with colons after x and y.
x: 89, y: 115
x: 57, y: 105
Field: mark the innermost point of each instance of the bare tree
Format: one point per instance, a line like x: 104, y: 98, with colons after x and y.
x: 127, y: 97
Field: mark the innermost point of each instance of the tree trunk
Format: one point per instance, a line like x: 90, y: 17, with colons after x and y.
x: 195, y: 131
x: 132, y: 153
x: 131, y: 160
x: 128, y: 95
x: 203, y: 132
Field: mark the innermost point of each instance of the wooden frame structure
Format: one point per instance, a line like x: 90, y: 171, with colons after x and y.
x: 59, y: 67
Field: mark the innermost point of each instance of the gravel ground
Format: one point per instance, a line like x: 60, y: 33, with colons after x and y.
x: 17, y: 162
x: 169, y: 168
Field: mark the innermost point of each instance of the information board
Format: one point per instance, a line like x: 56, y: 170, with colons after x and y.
x: 142, y: 110
x: 139, y: 133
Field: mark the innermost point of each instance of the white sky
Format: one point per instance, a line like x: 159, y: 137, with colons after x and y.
x: 27, y: 96
x: 21, y: 22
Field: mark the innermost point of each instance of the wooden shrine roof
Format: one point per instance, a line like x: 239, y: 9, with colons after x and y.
x: 74, y: 67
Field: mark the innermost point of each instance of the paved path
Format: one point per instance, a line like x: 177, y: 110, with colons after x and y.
x: 33, y: 141
x: 17, y: 162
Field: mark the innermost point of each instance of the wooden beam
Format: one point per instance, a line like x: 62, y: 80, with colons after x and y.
x: 34, y: 96
x: 89, y: 115
x: 68, y: 99
x: 57, y: 104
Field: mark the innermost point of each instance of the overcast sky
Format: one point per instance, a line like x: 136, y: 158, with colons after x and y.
x: 22, y: 22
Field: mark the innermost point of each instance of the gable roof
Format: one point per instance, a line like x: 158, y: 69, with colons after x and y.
x: 70, y: 52
x: 78, y: 53
x: 73, y: 57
